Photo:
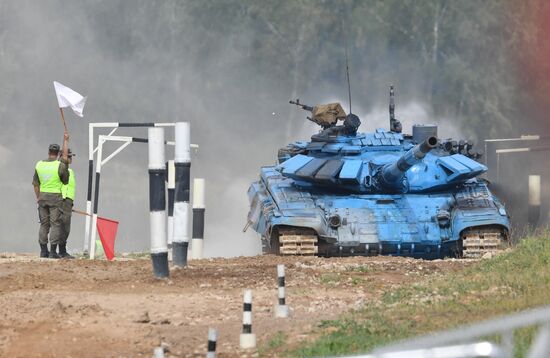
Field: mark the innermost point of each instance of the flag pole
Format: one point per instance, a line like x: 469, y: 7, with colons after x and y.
x: 63, y: 119
x: 81, y: 212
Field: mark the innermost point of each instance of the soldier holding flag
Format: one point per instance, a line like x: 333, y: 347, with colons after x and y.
x: 49, y: 176
x: 52, y: 186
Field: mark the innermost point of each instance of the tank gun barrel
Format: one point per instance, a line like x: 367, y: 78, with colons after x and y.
x: 391, y: 174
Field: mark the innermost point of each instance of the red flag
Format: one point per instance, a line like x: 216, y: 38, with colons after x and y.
x: 107, y: 233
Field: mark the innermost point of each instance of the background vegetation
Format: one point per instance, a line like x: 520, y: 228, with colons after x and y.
x: 478, y: 68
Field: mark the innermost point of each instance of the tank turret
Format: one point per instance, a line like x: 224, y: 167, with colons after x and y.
x: 391, y: 175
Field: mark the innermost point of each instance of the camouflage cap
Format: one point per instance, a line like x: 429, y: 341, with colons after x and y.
x: 54, y: 148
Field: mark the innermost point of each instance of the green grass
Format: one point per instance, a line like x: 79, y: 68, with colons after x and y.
x: 507, y: 283
x: 330, y: 279
x: 277, y: 341
x: 135, y: 255
x: 362, y: 269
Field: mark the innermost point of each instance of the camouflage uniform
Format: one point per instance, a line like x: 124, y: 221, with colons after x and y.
x: 49, y: 208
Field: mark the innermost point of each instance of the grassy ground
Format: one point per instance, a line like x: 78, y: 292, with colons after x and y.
x: 511, y: 282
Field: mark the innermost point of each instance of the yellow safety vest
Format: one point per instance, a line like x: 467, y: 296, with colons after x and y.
x: 68, y: 190
x: 48, y: 173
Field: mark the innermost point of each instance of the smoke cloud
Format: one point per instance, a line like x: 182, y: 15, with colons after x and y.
x: 147, y: 61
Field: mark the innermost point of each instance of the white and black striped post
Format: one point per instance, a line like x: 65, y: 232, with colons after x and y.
x: 90, y: 181
x: 281, y: 311
x: 198, y: 218
x: 157, y: 203
x: 96, y: 198
x: 171, y: 176
x: 180, y: 243
x: 533, y: 212
x: 212, y: 338
x: 247, y: 339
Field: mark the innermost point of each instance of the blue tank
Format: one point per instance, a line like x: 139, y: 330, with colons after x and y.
x: 346, y: 193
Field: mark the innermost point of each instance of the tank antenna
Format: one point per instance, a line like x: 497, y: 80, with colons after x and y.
x: 347, y: 73
x: 392, y: 105
x: 346, y: 12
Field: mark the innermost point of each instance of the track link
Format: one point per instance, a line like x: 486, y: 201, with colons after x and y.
x: 480, y: 241
x: 297, y: 242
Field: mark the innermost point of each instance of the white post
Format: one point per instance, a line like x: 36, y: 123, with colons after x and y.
x: 171, y: 187
x: 158, y: 352
x: 281, y: 311
x: 180, y: 243
x: 247, y: 339
x: 198, y: 218
x: 90, y: 179
x: 157, y: 203
x: 212, y: 338
x: 93, y: 234
x: 534, y: 200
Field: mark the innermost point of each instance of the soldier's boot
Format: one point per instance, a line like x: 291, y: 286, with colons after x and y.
x: 63, y: 252
x: 44, y: 253
x: 53, y: 252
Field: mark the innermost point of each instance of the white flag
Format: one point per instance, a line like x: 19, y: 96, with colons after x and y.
x: 66, y: 97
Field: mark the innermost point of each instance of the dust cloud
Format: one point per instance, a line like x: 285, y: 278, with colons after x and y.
x: 131, y: 61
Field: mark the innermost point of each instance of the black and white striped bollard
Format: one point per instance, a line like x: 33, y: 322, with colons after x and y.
x: 197, y: 238
x: 171, y: 185
x: 212, y: 337
x: 180, y: 243
x: 157, y: 203
x: 281, y: 311
x: 247, y: 339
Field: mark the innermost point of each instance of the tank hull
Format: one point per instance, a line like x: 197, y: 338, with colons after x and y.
x: 431, y: 225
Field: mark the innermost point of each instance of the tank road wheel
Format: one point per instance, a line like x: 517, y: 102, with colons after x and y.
x: 478, y: 241
x: 294, y: 241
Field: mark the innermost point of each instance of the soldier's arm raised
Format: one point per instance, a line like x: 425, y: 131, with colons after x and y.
x: 65, y: 153
x: 64, y: 165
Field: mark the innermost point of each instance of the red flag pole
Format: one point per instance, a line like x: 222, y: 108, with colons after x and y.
x: 63, y: 119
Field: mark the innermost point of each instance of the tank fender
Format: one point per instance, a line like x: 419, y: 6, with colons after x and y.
x: 460, y: 222
x: 316, y: 223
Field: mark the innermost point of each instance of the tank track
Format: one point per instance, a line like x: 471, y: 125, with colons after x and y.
x: 293, y: 242
x: 476, y: 242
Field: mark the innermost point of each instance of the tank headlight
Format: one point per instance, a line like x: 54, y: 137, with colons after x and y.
x: 443, y: 218
x: 335, y: 221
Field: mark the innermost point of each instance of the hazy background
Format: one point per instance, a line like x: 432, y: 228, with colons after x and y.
x: 478, y: 68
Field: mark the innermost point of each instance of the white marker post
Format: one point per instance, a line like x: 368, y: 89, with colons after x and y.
x: 157, y: 203
x: 211, y: 348
x: 171, y: 176
x: 197, y: 241
x: 180, y: 243
x: 534, y: 200
x: 158, y: 352
x: 247, y: 339
x: 281, y: 311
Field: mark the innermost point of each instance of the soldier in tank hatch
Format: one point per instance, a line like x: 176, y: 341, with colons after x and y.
x: 49, y: 176
x: 68, y: 192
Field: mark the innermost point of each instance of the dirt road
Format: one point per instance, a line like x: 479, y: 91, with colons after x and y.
x: 81, y: 308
